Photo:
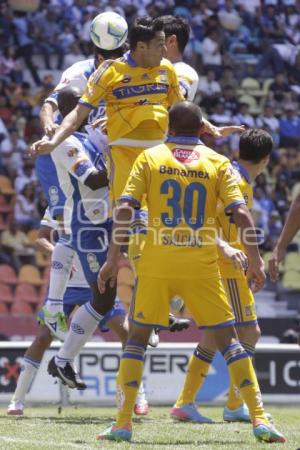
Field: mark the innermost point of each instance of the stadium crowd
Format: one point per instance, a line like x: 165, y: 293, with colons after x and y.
x: 246, y: 55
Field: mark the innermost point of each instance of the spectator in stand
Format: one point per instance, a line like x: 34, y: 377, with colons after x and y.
x: 25, y: 176
x: 22, y: 98
x: 229, y: 101
x: 3, y: 131
x: 85, y: 40
x: 42, y: 93
x: 211, y: 52
x: 67, y: 38
x: 269, y: 122
x: 274, y: 228
x: 24, y: 42
x: 26, y: 213
x: 209, y: 90
x: 12, y: 151
x: 294, y: 75
x: 228, y: 79
x: 262, y: 207
x: 279, y: 90
x: 10, y: 67
x: 47, y: 38
x: 281, y: 195
x: 290, y: 127
x: 16, y: 244
x: 271, y: 29
x: 243, y: 117
x: 5, y: 109
x: 220, y: 117
x: 6, y: 28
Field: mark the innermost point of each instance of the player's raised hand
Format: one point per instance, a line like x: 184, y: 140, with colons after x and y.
x: 50, y: 128
x: 102, y: 123
x: 276, y: 257
x: 256, y: 274
x: 107, y: 273
x: 228, y: 130
x: 41, y: 147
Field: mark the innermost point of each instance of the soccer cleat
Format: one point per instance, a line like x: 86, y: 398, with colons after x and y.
x: 56, y: 323
x: 267, y: 433
x: 141, y: 407
x: 66, y: 374
x: 15, y: 408
x: 116, y: 434
x: 240, y: 414
x: 177, y: 324
x: 189, y: 413
x: 154, y: 338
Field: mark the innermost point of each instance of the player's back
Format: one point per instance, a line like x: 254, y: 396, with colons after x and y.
x: 226, y: 226
x: 184, y: 182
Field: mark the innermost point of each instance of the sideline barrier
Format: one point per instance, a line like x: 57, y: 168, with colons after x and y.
x: 278, y: 369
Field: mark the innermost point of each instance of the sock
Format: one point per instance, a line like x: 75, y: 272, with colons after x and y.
x: 128, y: 381
x: 61, y: 265
x: 84, y: 323
x: 243, y: 375
x: 28, y: 371
x: 198, y: 368
x: 235, y: 399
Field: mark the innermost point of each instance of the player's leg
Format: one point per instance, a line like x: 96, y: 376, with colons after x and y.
x: 243, y: 304
x: 116, y: 319
x: 185, y: 408
x: 30, y: 366
x: 61, y: 265
x: 145, y: 313
x: 215, y: 315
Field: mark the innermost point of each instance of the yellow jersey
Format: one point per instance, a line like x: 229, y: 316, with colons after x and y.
x: 227, y: 228
x: 183, y: 181
x: 137, y: 99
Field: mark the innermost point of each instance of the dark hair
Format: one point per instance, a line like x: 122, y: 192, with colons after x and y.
x: 144, y: 30
x: 185, y: 119
x: 255, y: 145
x: 110, y: 54
x: 67, y: 100
x: 178, y: 26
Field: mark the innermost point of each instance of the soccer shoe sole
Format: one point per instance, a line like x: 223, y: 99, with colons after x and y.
x: 15, y: 412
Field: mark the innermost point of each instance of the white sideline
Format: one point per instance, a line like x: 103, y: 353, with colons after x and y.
x: 9, y: 439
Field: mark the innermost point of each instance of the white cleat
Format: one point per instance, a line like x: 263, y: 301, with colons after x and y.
x: 141, y: 407
x: 56, y: 323
x: 154, y: 338
x: 15, y: 408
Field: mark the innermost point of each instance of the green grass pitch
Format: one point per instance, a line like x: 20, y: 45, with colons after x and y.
x: 76, y: 428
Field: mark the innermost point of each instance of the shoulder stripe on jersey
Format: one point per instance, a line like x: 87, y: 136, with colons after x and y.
x: 100, y: 71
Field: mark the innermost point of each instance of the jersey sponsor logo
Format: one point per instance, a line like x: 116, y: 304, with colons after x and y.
x: 53, y: 195
x: 81, y: 167
x: 145, y: 76
x: 140, y: 315
x: 93, y: 263
x: 165, y: 170
x: 57, y: 265
x: 143, y: 89
x: 72, y: 152
x: 185, y: 155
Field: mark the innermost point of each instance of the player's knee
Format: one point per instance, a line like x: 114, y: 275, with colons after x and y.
x: 102, y: 303
x: 225, y: 336
x: 139, y: 334
x: 43, y: 339
x: 250, y: 334
x: 119, y: 326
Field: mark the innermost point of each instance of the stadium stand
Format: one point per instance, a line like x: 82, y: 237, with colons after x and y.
x: 254, y: 63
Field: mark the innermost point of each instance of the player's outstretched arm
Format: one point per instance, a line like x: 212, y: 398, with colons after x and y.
x: 237, y: 257
x: 69, y: 125
x: 43, y: 241
x: 244, y: 222
x: 219, y: 132
x: 46, y: 118
x: 291, y: 226
x: 123, y: 216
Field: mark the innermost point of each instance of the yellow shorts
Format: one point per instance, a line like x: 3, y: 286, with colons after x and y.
x: 242, y: 300
x: 205, y: 299
x: 120, y: 160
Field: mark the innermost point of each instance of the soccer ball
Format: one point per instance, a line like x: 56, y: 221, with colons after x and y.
x: 109, y: 30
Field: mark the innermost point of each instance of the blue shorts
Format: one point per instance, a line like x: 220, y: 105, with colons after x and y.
x: 78, y: 296
x: 91, y: 244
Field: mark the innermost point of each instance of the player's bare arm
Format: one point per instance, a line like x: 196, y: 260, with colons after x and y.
x: 46, y: 118
x: 218, y: 132
x: 291, y: 226
x: 237, y: 257
x: 244, y: 222
x: 69, y: 125
x: 43, y: 240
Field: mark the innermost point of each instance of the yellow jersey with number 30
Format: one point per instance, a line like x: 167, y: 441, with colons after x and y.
x: 183, y: 180
x: 227, y: 228
x: 137, y: 99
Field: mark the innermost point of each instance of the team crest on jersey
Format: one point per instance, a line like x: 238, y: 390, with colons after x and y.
x: 185, y: 155
x: 126, y: 79
x: 53, y: 195
x: 93, y: 263
x: 72, y: 152
x: 145, y: 76
x: 163, y: 76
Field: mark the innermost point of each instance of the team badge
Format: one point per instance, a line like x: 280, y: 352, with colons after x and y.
x: 145, y: 76
x: 72, y: 152
x: 53, y: 195
x: 126, y: 79
x: 185, y: 155
x: 248, y: 311
x: 92, y: 262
